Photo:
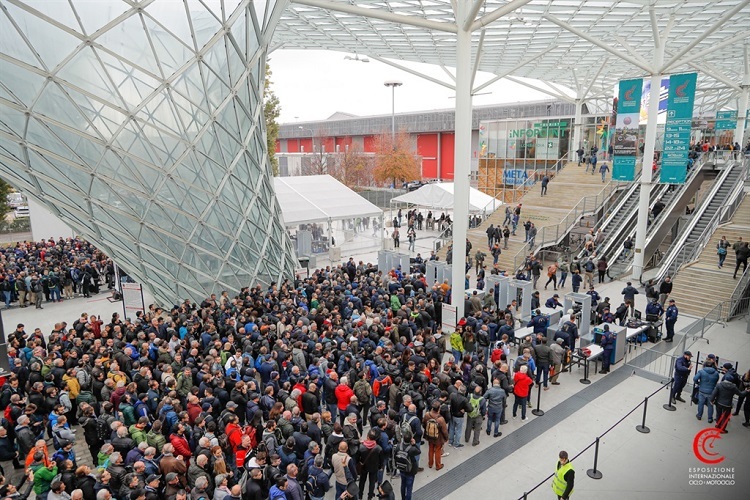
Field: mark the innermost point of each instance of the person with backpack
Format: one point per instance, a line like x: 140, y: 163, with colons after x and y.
x: 318, y: 481
x: 436, y: 433
x: 475, y: 416
x: 406, y: 464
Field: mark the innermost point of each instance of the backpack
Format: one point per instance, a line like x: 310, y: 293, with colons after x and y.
x: 103, y: 431
x: 589, y: 266
x: 402, y: 460
x: 474, y: 402
x: 8, y: 416
x: 406, y: 432
x: 432, y: 429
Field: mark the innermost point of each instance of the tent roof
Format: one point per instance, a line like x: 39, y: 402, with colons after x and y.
x: 312, y: 198
x: 440, y: 195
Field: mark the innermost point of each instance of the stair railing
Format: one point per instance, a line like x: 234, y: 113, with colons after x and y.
x: 552, y: 234
x: 688, y: 252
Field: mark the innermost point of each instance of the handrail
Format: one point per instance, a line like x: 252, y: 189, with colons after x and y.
x: 687, y: 252
x: 549, y: 235
x: 543, y: 481
x: 657, y: 223
x: 447, y: 234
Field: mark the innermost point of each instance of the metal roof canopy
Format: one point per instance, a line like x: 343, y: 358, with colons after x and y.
x: 579, y: 49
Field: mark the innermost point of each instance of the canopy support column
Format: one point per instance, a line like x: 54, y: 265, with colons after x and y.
x: 578, y: 126
x: 739, y: 132
x: 646, y: 163
x: 462, y: 155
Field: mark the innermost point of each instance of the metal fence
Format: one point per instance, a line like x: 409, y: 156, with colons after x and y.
x: 650, y: 360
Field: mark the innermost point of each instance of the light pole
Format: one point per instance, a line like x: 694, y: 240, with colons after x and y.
x: 393, y: 84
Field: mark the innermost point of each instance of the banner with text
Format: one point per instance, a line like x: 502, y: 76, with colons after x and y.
x: 677, y: 130
x: 625, y: 145
x: 726, y: 120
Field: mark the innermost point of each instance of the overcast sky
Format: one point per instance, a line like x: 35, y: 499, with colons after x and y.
x: 312, y: 85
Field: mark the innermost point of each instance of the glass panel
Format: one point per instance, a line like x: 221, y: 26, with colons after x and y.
x: 12, y: 44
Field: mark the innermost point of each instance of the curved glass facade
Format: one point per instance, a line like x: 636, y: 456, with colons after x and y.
x: 142, y: 128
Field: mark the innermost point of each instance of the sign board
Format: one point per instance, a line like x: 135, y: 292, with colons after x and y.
x: 515, y: 177
x: 625, y: 145
x: 449, y: 315
x: 132, y: 299
x: 677, y: 130
x: 726, y: 120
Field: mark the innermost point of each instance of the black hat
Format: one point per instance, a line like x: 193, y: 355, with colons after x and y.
x: 153, y: 477
x: 688, y: 353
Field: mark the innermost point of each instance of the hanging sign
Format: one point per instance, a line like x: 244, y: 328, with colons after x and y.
x: 677, y: 130
x: 726, y: 120
x: 625, y: 145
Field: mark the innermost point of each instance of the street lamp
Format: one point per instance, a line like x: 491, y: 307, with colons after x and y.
x: 393, y: 84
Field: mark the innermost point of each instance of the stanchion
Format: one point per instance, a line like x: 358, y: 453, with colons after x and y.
x: 593, y: 473
x: 642, y: 428
x: 537, y: 412
x: 585, y: 379
x: 669, y: 406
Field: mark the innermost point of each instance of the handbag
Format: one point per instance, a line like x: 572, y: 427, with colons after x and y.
x: 586, y: 352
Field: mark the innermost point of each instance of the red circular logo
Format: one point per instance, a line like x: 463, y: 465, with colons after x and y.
x: 703, y: 445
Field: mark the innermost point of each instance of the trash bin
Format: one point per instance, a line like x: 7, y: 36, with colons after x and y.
x: 304, y: 262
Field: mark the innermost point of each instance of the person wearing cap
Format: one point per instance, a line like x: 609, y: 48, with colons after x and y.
x: 152, y: 487
x: 705, y: 380
x: 670, y: 319
x: 722, y: 397
x: 607, y: 342
x: 681, y: 372
x: 173, y: 484
x: 553, y: 302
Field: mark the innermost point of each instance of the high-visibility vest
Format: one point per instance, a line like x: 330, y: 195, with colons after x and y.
x: 558, y: 480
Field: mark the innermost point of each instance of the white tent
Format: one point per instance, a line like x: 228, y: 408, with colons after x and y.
x: 440, y: 195
x: 315, y: 198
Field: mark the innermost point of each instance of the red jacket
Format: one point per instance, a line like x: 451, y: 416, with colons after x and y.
x: 234, y: 435
x: 343, y: 396
x: 181, y: 446
x: 522, y: 384
x: 193, y: 410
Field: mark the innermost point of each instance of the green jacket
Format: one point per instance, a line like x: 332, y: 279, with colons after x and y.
x: 43, y: 477
x: 157, y: 440
x: 138, y: 435
x: 395, y: 303
x: 128, y: 414
x: 184, y: 384
x: 101, y: 459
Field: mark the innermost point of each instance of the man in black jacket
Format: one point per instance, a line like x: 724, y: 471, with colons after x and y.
x: 722, y: 398
x: 664, y: 290
x: 459, y: 406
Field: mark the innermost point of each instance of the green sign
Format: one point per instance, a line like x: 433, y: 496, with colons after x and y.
x: 625, y: 145
x: 677, y: 129
x: 726, y: 120
x: 523, y: 133
x: 551, y: 125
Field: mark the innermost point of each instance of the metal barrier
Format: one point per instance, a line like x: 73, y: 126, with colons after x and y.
x: 650, y: 360
x: 595, y: 473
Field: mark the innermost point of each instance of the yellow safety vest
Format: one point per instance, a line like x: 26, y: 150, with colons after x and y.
x: 558, y: 480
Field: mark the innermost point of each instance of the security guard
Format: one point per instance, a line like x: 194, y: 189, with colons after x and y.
x: 562, y: 481
x: 670, y: 320
x: 608, y: 344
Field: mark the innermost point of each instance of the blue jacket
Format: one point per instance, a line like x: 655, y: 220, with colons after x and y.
x: 539, y: 323
x: 672, y: 313
x: 607, y: 341
x: 707, y: 379
x: 681, y: 368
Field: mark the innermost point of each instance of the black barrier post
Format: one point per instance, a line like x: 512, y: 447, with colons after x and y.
x: 642, y: 428
x: 593, y: 473
x: 585, y: 379
x: 537, y: 412
x: 669, y: 406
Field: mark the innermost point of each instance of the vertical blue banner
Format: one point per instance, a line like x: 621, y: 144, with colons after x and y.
x: 625, y: 146
x: 677, y: 130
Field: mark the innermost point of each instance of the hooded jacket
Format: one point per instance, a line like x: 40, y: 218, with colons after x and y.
x: 707, y: 379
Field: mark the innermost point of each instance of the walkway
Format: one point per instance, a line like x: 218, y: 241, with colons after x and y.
x: 564, y: 192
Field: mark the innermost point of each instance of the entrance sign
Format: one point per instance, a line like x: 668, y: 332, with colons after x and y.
x: 726, y: 120
x: 626, y: 130
x: 448, y: 317
x: 677, y: 130
x: 132, y: 299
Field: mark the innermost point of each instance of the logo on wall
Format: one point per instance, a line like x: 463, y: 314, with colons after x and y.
x: 680, y: 90
x: 629, y: 93
x: 703, y: 445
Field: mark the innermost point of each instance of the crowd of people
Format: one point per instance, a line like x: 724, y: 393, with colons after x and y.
x: 335, y: 384
x: 33, y: 273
